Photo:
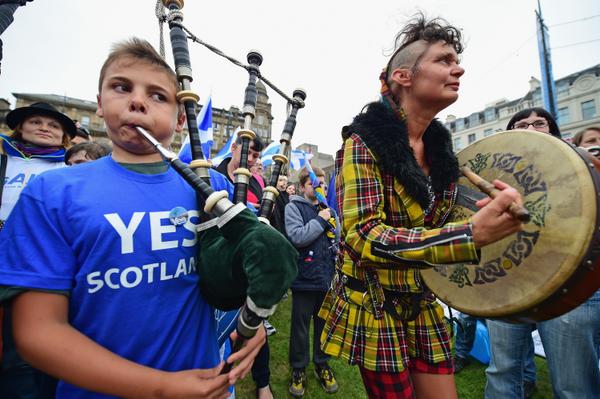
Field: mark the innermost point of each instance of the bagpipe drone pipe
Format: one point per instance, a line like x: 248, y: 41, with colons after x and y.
x: 241, y: 261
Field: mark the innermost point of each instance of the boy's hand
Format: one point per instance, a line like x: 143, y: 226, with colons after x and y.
x: 246, y: 355
x: 199, y: 383
x: 325, y: 214
x: 493, y: 222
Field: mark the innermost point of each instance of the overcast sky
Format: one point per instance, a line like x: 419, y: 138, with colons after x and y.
x: 333, y: 49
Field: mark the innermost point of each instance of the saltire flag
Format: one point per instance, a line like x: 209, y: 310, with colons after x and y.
x: 299, y: 159
x: 206, y: 134
x: 225, y: 152
x: 266, y: 158
x: 205, y: 127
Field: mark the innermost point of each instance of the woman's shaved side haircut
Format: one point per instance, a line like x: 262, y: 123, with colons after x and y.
x: 426, y: 32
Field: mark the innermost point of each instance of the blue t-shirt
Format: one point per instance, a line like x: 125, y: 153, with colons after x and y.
x: 105, y: 234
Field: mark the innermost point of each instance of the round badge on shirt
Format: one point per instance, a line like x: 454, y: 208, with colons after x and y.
x: 178, y: 216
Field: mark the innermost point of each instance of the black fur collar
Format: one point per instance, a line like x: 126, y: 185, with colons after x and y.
x: 387, y: 137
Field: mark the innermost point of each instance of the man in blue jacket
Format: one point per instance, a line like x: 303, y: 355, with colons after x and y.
x: 307, y: 226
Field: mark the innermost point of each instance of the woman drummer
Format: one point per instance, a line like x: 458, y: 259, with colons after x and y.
x: 571, y: 341
x: 398, y: 175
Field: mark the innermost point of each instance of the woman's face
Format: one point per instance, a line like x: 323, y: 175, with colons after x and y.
x: 590, y: 138
x: 437, y: 77
x: 533, y: 122
x: 291, y: 189
x: 42, y: 131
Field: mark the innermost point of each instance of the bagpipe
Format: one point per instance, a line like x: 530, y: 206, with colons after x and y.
x: 242, y: 261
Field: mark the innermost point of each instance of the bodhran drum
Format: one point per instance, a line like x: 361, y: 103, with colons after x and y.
x: 553, y: 264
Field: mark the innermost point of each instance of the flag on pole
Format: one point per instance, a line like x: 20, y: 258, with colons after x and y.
x: 205, y: 127
x: 225, y: 152
x: 206, y: 134
x: 266, y: 157
x: 298, y: 159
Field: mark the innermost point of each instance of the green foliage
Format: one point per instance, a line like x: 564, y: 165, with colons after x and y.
x: 470, y: 382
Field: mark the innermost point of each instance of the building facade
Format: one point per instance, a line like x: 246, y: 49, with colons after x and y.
x: 578, y: 97
x: 225, y: 121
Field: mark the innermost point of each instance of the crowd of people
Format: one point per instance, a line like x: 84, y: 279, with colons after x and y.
x: 99, y: 289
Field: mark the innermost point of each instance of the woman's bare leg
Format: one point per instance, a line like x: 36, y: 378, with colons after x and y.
x: 434, y: 386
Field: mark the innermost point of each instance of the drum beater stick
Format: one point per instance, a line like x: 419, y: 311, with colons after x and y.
x: 485, y: 186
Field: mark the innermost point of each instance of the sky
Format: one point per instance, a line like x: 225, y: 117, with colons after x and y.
x: 332, y: 49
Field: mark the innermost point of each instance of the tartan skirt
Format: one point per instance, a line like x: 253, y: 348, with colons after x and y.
x: 352, y: 333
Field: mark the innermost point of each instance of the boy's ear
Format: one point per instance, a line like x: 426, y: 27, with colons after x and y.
x: 99, y: 109
x: 402, y: 76
x: 180, y: 120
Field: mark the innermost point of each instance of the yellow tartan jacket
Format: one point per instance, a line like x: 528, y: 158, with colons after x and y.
x: 386, y: 238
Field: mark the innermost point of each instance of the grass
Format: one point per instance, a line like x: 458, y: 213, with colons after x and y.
x: 470, y: 382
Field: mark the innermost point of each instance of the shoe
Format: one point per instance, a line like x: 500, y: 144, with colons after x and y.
x: 298, y: 384
x: 460, y: 363
x: 270, y: 329
x: 528, y: 389
x: 325, y: 376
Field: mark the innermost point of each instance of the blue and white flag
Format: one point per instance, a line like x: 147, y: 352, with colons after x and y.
x: 299, y: 159
x: 267, y: 155
x: 205, y: 129
x: 225, y: 152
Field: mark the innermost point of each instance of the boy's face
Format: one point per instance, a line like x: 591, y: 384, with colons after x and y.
x: 309, y: 191
x: 136, y: 93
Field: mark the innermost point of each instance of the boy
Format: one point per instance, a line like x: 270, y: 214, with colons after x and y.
x: 111, y: 302
x: 307, y: 226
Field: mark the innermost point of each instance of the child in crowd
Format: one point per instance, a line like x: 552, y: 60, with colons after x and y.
x: 85, y: 152
x: 111, y: 304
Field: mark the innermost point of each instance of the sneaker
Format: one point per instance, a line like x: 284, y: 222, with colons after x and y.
x: 460, y: 363
x: 298, y: 384
x: 325, y: 376
x: 270, y: 329
x: 528, y: 389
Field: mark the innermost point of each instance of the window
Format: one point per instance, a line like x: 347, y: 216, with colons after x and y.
x: 474, y: 120
x: 457, y: 146
x: 537, y: 98
x: 85, y: 121
x: 588, y: 109
x: 216, y: 126
x: 471, y: 138
x: 564, y: 116
x: 487, y: 132
x: 562, y: 89
x: 460, y: 124
x: 490, y: 114
x: 261, y: 119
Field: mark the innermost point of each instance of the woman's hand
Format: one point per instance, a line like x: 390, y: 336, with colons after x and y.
x: 493, y: 222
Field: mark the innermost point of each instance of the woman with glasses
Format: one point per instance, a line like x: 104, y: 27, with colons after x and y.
x: 396, y: 179
x: 571, y: 342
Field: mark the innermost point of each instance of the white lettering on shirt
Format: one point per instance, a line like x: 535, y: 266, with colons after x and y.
x: 125, y: 232
x: 157, y: 230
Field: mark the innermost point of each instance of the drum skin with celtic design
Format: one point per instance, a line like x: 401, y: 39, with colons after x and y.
x: 553, y: 264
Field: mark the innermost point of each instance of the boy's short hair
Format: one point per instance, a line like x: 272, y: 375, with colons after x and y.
x: 258, y: 143
x: 92, y: 150
x: 303, y: 177
x: 137, y: 49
